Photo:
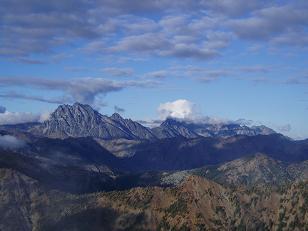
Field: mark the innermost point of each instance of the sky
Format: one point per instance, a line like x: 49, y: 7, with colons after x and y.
x: 220, y: 59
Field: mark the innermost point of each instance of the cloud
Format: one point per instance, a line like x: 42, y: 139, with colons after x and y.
x: 142, y: 43
x: 303, y: 80
x: 254, y: 69
x: 172, y: 36
x: 190, y: 51
x: 150, y: 123
x: 160, y: 74
x: 11, y: 142
x: 164, y: 27
x: 118, y: 72
x: 14, y: 95
x: 18, y: 117
x: 279, y: 24
x: 292, y: 38
x: 76, y: 69
x: 119, y: 109
x: 44, y: 116
x: 38, y: 27
x: 188, y: 111
x: 166, y: 43
x: 84, y: 90
x: 209, y: 74
x: 212, y: 75
x: 235, y: 7
x: 284, y: 128
x: 181, y: 109
x: 2, y: 109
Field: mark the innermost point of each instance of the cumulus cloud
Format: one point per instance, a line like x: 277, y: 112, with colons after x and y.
x: 11, y: 142
x: 181, y: 109
x: 2, y: 109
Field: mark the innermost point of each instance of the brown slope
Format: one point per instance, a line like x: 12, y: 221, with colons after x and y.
x: 197, y: 204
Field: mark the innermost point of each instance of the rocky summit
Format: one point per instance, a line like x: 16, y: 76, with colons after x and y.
x: 80, y: 120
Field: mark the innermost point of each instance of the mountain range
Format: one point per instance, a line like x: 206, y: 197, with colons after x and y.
x: 81, y: 170
x: 80, y: 120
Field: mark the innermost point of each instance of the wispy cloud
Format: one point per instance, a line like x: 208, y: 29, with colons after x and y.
x: 11, y: 142
x: 83, y: 90
x: 297, y: 80
x: 119, y: 109
x: 118, y: 72
x: 14, y: 95
x: 210, y: 74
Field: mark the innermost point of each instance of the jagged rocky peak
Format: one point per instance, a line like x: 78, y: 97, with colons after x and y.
x: 261, y: 129
x: 171, y: 122
x: 172, y: 127
x: 81, y: 120
x: 77, y: 109
x: 116, y: 116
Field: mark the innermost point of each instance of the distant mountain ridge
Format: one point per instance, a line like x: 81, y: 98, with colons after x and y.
x: 81, y: 120
x: 172, y: 127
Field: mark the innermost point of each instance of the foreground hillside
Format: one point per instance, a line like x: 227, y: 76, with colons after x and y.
x: 196, y: 204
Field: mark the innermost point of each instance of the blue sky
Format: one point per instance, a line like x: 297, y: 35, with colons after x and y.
x: 228, y: 59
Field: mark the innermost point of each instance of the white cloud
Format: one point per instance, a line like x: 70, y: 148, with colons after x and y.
x: 44, y: 116
x: 181, y: 109
x: 22, y: 117
x: 11, y: 142
x: 17, y: 117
